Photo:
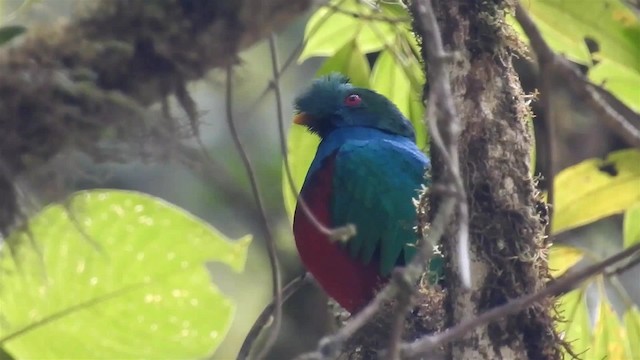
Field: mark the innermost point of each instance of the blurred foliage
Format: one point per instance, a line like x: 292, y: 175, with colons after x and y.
x: 563, y: 258
x: 7, y: 33
x: 596, y: 188
x: 584, y: 193
x: 603, y: 35
x: 631, y: 232
x: 98, y: 275
x: 609, y: 337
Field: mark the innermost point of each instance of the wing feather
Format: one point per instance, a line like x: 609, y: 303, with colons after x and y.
x: 373, y: 187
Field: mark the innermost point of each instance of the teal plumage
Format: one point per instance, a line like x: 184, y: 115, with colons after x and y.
x: 374, y: 182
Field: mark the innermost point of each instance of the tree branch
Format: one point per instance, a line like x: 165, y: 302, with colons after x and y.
x: 267, y: 313
x: 560, y: 286
x: 272, y: 251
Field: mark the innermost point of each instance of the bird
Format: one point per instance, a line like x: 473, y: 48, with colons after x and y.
x: 366, y: 172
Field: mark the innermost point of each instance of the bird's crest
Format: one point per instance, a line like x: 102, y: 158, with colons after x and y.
x: 327, y: 105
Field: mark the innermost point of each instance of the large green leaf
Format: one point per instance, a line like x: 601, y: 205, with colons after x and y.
x: 113, y: 275
x: 631, y: 231
x: 392, y: 78
x: 333, y: 26
x: 609, y: 23
x: 596, y: 188
x: 349, y: 61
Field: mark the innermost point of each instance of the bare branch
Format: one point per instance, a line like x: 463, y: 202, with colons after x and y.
x: 442, y: 112
x: 267, y: 314
x: 264, y: 222
x: 560, y: 286
x: 342, y: 233
x: 623, y: 268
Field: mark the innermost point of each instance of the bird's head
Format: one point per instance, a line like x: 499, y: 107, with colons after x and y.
x: 331, y: 102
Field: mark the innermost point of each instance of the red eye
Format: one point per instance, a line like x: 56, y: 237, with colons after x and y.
x: 352, y: 100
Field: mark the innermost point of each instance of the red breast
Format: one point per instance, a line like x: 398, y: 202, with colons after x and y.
x: 351, y: 283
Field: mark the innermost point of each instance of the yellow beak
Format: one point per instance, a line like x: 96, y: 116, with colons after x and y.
x: 301, y: 119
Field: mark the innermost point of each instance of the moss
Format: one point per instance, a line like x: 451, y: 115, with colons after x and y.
x: 506, y: 228
x: 87, y: 82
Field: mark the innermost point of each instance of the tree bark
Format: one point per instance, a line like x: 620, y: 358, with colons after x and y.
x: 87, y: 82
x: 508, y: 250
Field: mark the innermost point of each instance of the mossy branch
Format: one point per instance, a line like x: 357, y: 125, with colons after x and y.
x: 88, y: 81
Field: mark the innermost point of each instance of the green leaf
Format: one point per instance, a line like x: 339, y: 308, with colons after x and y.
x: 376, y: 35
x: 619, y: 80
x: 575, y: 326
x: 596, y: 188
x: 349, y: 61
x: 301, y: 149
x: 631, y: 321
x: 9, y: 32
x: 327, y: 31
x: 566, y: 24
x: 569, y: 44
x: 608, y: 334
x: 610, y: 24
x: 562, y: 258
x: 113, y: 275
x: 343, y: 21
x: 391, y: 79
x: 631, y: 233
x: 608, y: 338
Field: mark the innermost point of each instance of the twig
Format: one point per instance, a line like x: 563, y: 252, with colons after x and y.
x: 270, y: 240
x: 403, y: 302
x: 560, y: 67
x: 441, y: 100
x: 342, y: 233
x: 623, y: 268
x: 369, y: 17
x: 266, y: 314
x: 560, y: 286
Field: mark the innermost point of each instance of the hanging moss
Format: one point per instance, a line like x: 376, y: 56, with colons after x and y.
x: 88, y: 81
